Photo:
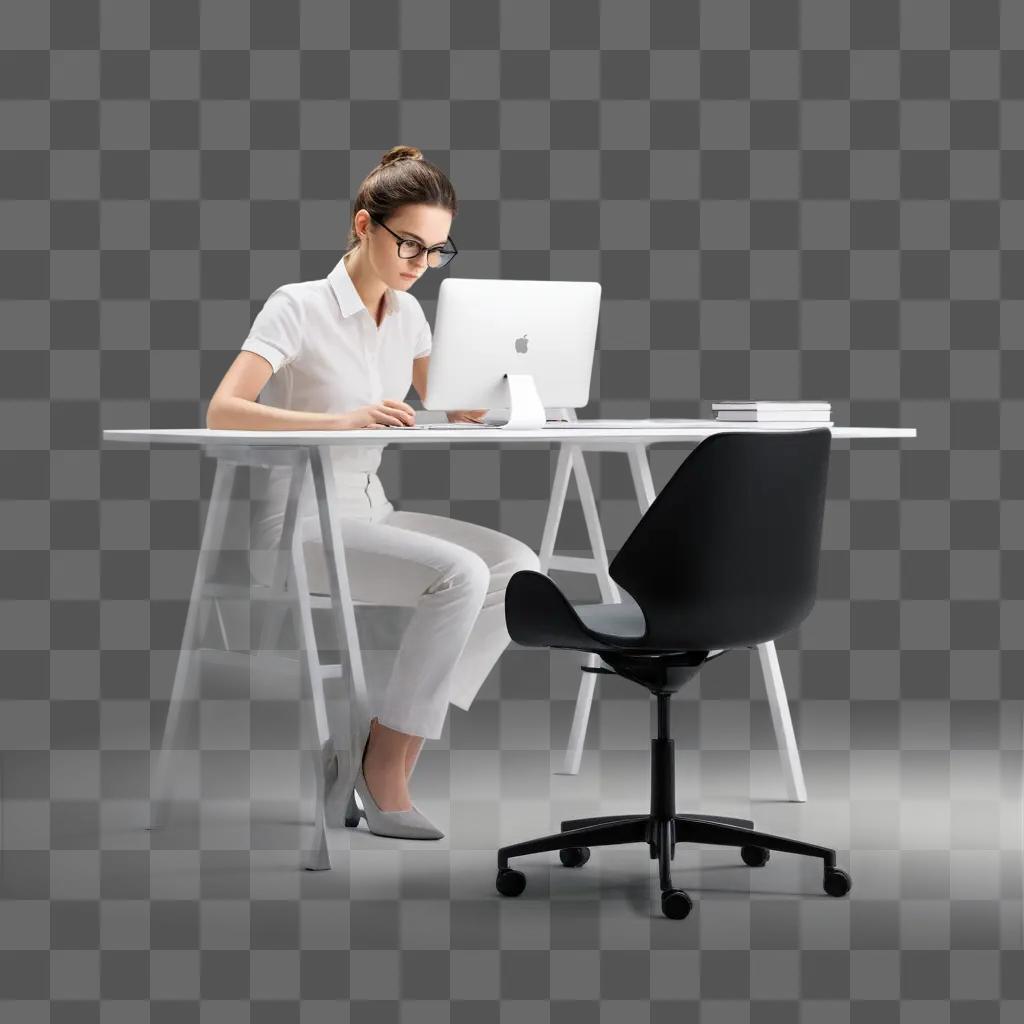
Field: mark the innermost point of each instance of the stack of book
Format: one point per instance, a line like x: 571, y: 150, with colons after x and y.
x: 781, y: 413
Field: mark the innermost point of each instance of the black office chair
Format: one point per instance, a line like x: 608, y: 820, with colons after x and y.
x: 725, y: 557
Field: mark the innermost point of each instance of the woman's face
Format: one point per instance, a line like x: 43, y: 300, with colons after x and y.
x: 428, y: 225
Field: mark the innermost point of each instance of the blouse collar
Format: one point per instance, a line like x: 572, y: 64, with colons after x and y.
x: 349, y: 300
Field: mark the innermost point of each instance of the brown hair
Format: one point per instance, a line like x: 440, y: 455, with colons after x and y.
x: 401, y: 177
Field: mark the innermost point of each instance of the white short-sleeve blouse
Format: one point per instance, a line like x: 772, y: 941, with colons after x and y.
x: 329, y: 356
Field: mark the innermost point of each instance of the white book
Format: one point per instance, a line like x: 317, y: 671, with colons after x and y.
x: 763, y: 416
x: 772, y: 405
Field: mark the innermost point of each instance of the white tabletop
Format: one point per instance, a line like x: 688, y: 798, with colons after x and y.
x: 670, y: 430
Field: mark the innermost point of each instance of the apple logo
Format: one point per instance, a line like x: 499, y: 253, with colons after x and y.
x: 521, y: 344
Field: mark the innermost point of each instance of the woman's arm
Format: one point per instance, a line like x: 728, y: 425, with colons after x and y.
x: 419, y: 375
x: 234, y: 406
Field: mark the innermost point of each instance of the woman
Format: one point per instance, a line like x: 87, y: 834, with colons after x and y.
x: 340, y: 354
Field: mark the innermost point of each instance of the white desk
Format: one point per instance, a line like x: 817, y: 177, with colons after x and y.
x: 310, y: 447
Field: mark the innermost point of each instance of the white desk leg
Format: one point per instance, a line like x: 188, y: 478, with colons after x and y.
x: 555, y: 506
x: 274, y: 613
x: 560, y: 485
x: 609, y: 593
x: 643, y: 482
x: 195, y: 622
x: 318, y: 857
x: 779, y: 706
x: 341, y: 795
x: 580, y: 718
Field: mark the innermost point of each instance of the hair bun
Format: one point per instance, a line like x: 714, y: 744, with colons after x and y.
x: 400, y: 153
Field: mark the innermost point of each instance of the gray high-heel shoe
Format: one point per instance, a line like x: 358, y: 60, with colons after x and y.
x: 353, y: 812
x: 407, y: 824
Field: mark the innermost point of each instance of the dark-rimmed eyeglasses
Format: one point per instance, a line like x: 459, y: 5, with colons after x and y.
x: 410, y: 249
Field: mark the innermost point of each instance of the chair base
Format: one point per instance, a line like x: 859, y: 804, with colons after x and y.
x: 661, y: 829
x: 661, y: 835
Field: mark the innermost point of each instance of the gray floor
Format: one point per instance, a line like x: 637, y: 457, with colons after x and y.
x: 212, y: 919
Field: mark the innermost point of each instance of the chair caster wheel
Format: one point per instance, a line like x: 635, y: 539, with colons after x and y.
x: 675, y: 904
x: 837, y: 882
x: 510, y: 882
x: 755, y: 856
x: 574, y: 856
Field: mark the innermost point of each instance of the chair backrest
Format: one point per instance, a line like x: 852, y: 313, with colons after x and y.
x: 727, y: 554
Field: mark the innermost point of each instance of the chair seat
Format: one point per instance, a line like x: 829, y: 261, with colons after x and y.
x: 538, y: 614
x: 623, y: 622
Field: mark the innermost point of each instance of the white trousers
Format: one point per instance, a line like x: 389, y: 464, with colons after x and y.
x: 452, y: 572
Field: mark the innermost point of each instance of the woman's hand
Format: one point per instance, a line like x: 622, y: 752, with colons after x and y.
x: 466, y: 415
x: 388, y: 413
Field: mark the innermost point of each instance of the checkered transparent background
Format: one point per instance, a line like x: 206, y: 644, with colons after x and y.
x: 819, y: 200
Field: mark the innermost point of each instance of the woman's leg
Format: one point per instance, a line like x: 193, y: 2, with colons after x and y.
x: 384, y: 761
x: 412, y: 755
x: 389, y: 795
x: 446, y: 584
x: 458, y: 632
x: 504, y: 555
